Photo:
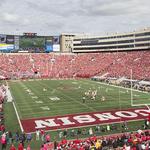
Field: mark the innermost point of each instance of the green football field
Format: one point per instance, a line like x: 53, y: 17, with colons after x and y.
x: 45, y: 98
x: 41, y: 98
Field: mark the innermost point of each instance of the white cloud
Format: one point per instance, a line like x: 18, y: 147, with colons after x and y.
x: 9, y: 17
x: 89, y: 16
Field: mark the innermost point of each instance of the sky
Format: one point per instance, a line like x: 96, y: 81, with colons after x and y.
x: 53, y: 17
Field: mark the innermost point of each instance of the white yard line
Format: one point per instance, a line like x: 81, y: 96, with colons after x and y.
x: 21, y: 127
x: 24, y: 103
x: 23, y: 85
x: 18, y: 118
x: 120, y: 87
x: 140, y: 104
x: 114, y: 86
x: 134, y: 105
x: 91, y: 108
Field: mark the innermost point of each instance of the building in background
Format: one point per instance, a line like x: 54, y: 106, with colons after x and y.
x: 76, y: 43
x: 137, y: 40
x: 66, y: 42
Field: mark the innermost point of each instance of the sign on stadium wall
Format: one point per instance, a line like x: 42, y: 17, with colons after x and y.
x: 16, y: 42
x: 56, y: 48
x: 84, y: 119
x: 10, y: 39
x: 6, y: 47
x: 56, y: 40
x: 2, y: 38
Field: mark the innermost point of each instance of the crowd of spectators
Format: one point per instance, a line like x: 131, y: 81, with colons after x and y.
x: 2, y: 100
x: 139, y: 140
x: 130, y: 141
x: 76, y: 65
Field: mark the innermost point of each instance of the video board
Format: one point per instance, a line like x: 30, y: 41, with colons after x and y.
x: 10, y: 39
x: 28, y: 42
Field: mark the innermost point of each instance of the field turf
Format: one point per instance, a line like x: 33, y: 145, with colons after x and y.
x: 42, y: 98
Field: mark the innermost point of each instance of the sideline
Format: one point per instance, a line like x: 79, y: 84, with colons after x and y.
x: 119, y: 87
x: 12, y: 100
x: 9, y: 96
x: 21, y: 127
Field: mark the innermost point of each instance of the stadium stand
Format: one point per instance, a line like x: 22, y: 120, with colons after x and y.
x: 87, y: 65
x: 131, y: 141
x: 75, y: 65
x: 2, y: 100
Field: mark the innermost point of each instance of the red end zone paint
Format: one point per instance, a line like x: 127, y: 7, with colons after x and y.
x: 84, y: 119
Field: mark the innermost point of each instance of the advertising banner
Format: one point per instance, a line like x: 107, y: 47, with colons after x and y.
x: 49, y: 48
x: 2, y: 38
x: 56, y: 47
x: 56, y: 40
x: 10, y: 39
x: 16, y: 42
x: 6, y: 47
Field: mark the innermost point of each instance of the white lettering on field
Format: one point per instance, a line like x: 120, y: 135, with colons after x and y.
x: 45, y: 108
x: 34, y: 97
x: 39, y: 102
x: 66, y: 121
x: 142, y: 112
x: 84, y: 118
x: 54, y: 98
x: 46, y: 123
x: 126, y: 114
x: 106, y: 116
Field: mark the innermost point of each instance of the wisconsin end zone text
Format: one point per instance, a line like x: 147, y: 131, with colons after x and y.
x: 84, y: 119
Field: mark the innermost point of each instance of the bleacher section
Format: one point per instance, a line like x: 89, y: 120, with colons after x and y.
x: 76, y: 65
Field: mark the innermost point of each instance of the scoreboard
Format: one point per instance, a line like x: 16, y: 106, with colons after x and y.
x: 29, y: 41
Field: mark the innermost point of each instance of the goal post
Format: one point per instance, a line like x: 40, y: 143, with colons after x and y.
x: 144, y: 97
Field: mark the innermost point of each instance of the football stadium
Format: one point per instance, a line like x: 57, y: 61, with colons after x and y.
x: 76, y: 96
x: 75, y: 91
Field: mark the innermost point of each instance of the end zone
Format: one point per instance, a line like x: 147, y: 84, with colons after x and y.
x: 84, y: 119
